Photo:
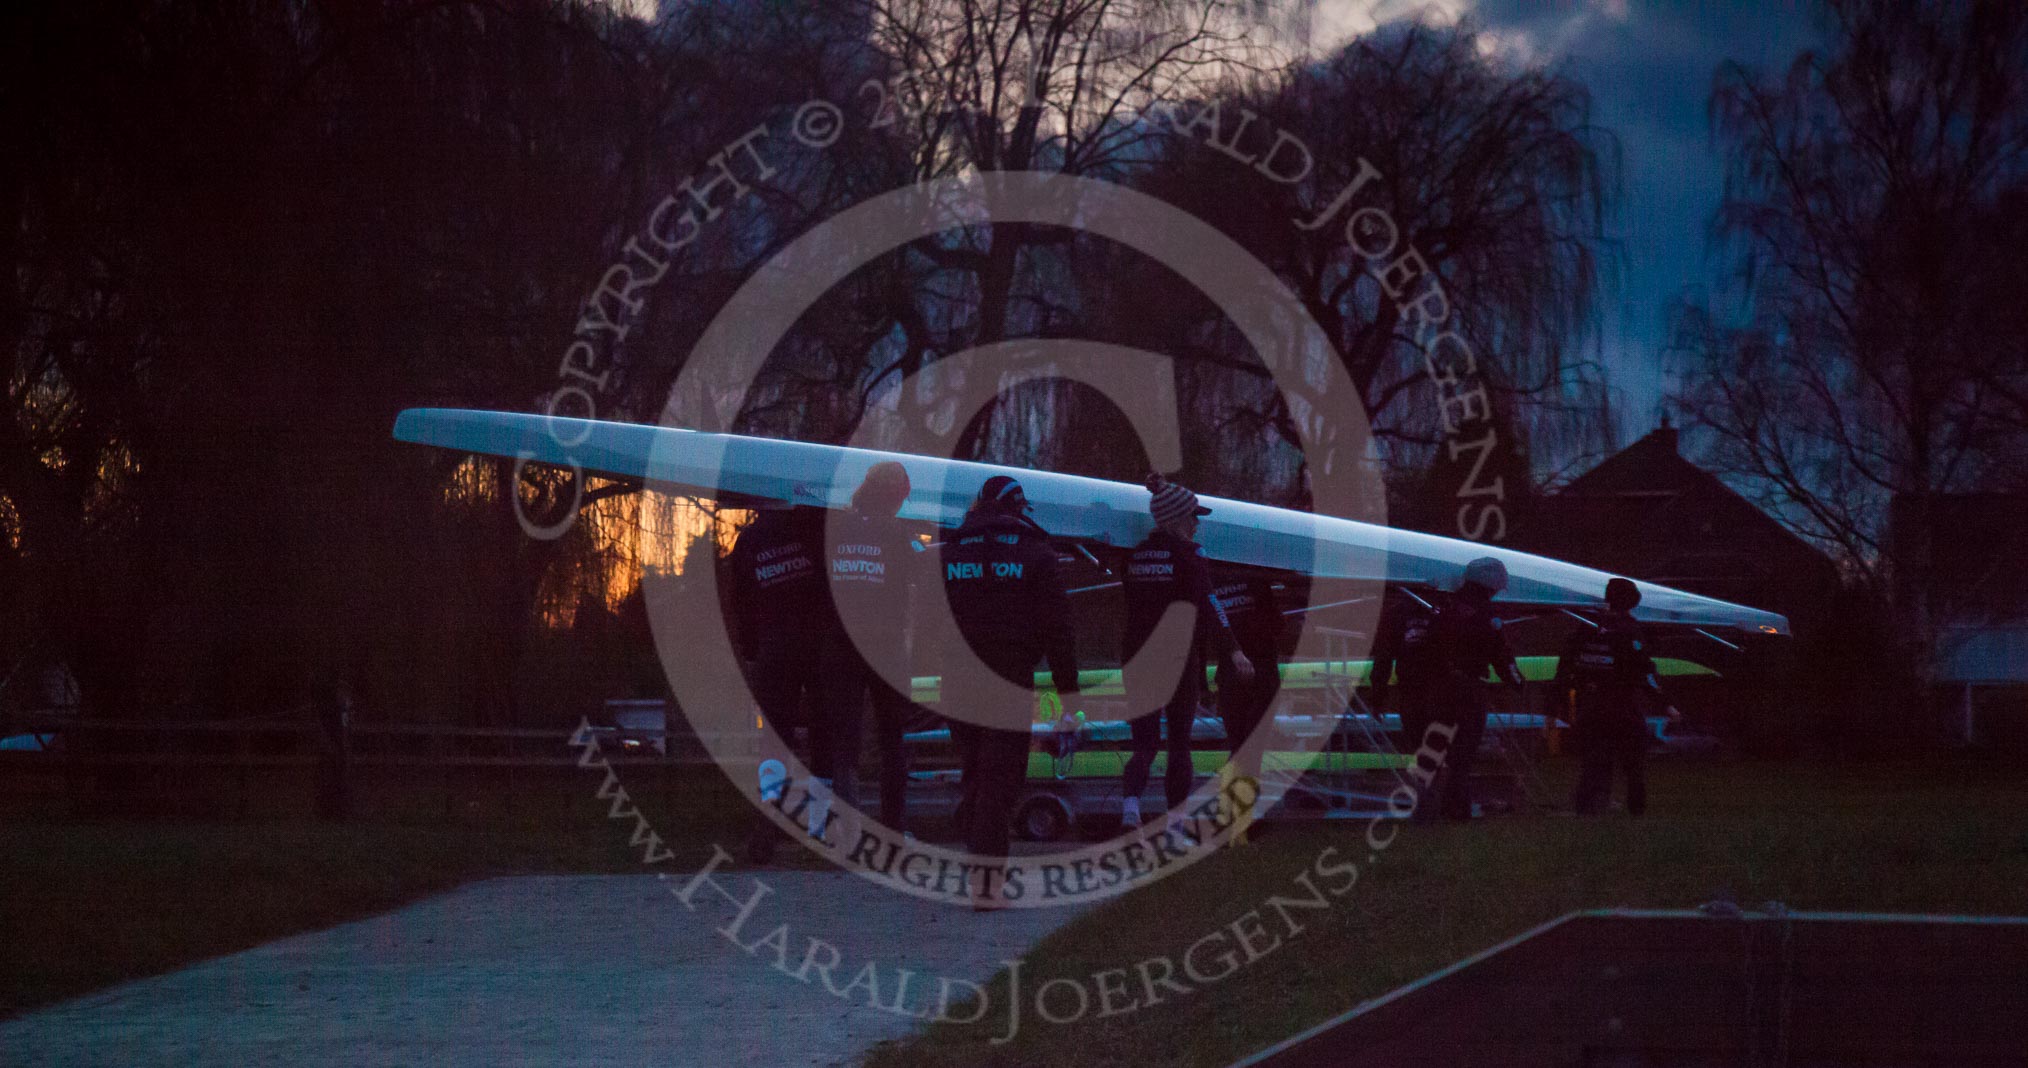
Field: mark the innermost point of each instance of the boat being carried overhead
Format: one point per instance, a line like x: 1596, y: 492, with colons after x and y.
x: 1330, y: 756
x: 1072, y: 507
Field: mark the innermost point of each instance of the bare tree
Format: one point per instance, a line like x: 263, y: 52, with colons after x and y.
x: 993, y: 85
x: 1494, y: 176
x: 239, y: 238
x: 1870, y: 357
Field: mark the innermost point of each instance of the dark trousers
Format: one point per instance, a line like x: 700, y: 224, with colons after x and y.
x: 1464, y: 756
x: 1416, y: 703
x: 849, y: 682
x: 994, y: 777
x: 1611, y: 737
x: 787, y: 684
x: 1242, y: 706
x: 1459, y: 707
x: 995, y: 761
x: 1173, y: 720
x: 1415, y: 717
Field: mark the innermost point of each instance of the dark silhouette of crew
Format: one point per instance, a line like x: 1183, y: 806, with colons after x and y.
x: 780, y: 607
x: 871, y: 564
x: 1167, y: 568
x: 1009, y: 604
x: 1607, y: 675
x: 1254, y: 614
x: 1405, y: 661
x: 1443, y: 652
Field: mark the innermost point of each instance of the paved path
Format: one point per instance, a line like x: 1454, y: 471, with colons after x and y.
x: 549, y: 970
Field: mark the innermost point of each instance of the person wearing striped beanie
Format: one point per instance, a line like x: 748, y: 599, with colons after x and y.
x: 1174, y: 508
x: 1166, y: 568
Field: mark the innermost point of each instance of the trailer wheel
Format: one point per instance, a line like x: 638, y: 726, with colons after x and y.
x: 1043, y: 818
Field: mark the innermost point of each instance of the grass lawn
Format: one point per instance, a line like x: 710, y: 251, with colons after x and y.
x: 87, y: 904
x: 1940, y: 834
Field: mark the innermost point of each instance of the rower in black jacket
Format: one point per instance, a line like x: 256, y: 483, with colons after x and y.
x: 1254, y: 615
x: 1436, y: 651
x: 1009, y: 604
x: 872, y: 566
x: 1166, y: 568
x: 1406, y: 661
x: 780, y: 604
x: 1469, y: 647
x: 1610, y: 674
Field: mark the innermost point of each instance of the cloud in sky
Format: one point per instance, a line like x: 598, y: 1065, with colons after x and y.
x: 1649, y: 67
x: 1334, y: 22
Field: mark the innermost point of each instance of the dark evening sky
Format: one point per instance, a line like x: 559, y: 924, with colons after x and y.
x: 1648, y: 64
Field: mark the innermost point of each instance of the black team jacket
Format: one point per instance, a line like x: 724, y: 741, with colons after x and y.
x: 1610, y: 664
x: 1253, y: 613
x: 778, y: 588
x: 1008, y: 600
x: 871, y: 564
x: 1161, y: 571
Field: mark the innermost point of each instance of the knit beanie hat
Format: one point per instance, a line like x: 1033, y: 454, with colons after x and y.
x: 1169, y: 502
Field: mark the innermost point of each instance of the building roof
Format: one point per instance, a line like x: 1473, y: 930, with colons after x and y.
x: 1649, y: 513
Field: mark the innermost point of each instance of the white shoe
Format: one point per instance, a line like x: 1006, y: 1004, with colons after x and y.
x: 774, y: 778
x: 820, y: 807
x: 1130, y: 813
